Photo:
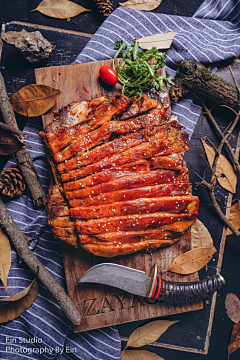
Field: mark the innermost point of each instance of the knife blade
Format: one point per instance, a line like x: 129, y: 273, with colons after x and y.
x: 138, y: 283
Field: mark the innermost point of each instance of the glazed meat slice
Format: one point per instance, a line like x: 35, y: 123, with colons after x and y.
x: 147, y: 149
x: 137, y: 193
x: 122, y: 184
x: 126, y: 223
x: 129, y: 169
x: 140, y: 106
x: 93, y: 138
x: 173, y: 204
x: 131, y: 182
x: 58, y: 216
x: 113, y: 249
x: 92, y: 116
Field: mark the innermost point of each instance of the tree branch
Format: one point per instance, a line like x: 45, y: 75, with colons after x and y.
x: 19, y: 241
x: 22, y: 157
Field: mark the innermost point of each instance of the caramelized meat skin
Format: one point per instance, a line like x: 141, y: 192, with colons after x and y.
x: 173, y: 204
x: 174, y: 162
x: 129, y: 169
x: 140, y: 106
x: 130, y: 222
x: 145, y: 150
x: 137, y: 193
x: 112, y: 250
x: 119, y: 164
x: 58, y: 216
x: 131, y: 182
x: 161, y: 232
x: 85, y: 142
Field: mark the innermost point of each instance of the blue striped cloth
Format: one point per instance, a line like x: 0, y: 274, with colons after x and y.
x: 43, y: 331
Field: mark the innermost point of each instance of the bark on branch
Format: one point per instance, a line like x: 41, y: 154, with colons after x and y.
x: 22, y: 157
x: 192, y: 76
x: 19, y: 241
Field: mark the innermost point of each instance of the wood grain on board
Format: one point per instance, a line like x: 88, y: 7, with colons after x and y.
x: 101, y: 305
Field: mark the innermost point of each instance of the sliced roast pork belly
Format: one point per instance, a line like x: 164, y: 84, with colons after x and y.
x: 129, y: 169
x: 173, y: 204
x: 137, y: 193
x: 114, y: 249
x: 127, y: 223
x: 58, y: 216
x: 122, y: 184
x: 93, y: 138
x: 130, y: 182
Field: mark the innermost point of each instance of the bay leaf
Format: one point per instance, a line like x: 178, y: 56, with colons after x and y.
x: 232, y: 305
x: 5, y: 258
x: 34, y: 100
x: 224, y: 172
x: 234, y: 343
x: 146, y: 5
x: 234, y: 217
x: 201, y: 237
x: 8, y: 143
x: 140, y: 355
x: 160, y: 41
x: 60, y: 9
x: 148, y: 333
x: 15, y: 305
x: 192, y: 261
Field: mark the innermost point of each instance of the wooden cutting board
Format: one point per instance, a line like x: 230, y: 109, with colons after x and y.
x: 101, y: 305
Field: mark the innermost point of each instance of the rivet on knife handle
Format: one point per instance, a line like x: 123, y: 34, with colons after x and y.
x: 184, y: 292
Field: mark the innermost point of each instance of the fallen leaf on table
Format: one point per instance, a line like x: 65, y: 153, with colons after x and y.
x: 234, y: 343
x: 140, y: 355
x: 8, y: 143
x: 234, y: 217
x: 232, y: 305
x: 146, y: 5
x: 5, y: 258
x: 148, y: 333
x: 60, y: 9
x: 224, y: 172
x: 34, y: 100
x: 14, y: 306
x: 160, y: 41
x: 192, y: 261
x: 200, y: 235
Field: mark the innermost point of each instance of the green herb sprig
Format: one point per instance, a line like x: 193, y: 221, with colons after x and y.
x: 136, y: 73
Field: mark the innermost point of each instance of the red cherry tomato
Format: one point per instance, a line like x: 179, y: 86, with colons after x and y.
x: 108, y: 75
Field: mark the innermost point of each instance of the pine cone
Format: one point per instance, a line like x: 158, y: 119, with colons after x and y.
x: 11, y: 182
x: 104, y: 7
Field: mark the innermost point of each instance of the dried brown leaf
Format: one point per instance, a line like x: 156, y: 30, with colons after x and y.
x: 192, y: 261
x: 160, y: 41
x: 234, y: 217
x: 14, y: 306
x: 8, y: 143
x: 60, y: 9
x: 224, y: 172
x: 5, y: 258
x: 34, y: 100
x: 140, y: 355
x: 200, y: 235
x: 234, y: 343
x: 146, y: 5
x: 232, y: 305
x: 148, y: 333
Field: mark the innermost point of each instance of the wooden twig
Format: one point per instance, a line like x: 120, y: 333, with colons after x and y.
x: 16, y: 132
x: 213, y: 121
x: 234, y: 79
x: 22, y: 157
x: 19, y: 241
x: 209, y: 187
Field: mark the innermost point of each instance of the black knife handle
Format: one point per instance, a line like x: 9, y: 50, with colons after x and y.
x: 181, y: 292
